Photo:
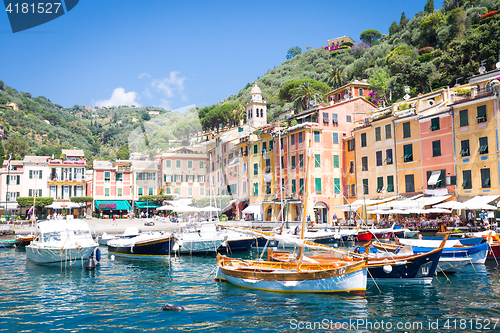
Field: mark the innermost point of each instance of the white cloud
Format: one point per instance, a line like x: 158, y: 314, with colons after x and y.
x: 170, y: 85
x: 165, y: 104
x: 147, y: 93
x: 120, y: 97
x: 144, y: 75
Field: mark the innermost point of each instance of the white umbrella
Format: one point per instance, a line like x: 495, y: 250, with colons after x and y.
x: 398, y: 211
x: 209, y: 209
x: 185, y: 209
x: 416, y: 210
x: 437, y: 210
x: 379, y: 211
x: 166, y: 207
x: 450, y: 205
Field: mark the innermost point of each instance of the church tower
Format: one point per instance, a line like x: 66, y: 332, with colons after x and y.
x: 256, y: 108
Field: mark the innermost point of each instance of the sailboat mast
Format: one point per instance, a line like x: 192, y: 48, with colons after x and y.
x: 306, y: 189
x: 281, y: 169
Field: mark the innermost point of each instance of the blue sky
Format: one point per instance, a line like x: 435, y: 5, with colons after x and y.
x: 175, y: 53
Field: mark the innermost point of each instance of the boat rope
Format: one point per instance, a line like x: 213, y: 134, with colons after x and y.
x: 376, y: 285
x: 473, y: 265
x: 444, y: 274
x: 436, y: 274
x: 493, y: 254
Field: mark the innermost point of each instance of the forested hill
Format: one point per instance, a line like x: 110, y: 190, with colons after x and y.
x: 435, y: 48
x: 40, y: 127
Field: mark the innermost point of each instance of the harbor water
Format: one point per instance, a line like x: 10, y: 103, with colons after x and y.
x: 125, y: 295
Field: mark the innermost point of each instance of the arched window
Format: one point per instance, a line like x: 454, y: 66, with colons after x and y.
x: 257, y: 113
x: 262, y: 113
x: 269, y: 212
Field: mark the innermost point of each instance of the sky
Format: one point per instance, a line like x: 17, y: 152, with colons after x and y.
x: 174, y: 54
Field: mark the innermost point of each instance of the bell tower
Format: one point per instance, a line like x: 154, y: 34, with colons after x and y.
x: 256, y: 108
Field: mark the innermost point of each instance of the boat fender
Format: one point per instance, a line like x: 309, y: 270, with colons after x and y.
x: 97, y: 254
x: 387, y: 269
x: 112, y: 257
x: 172, y: 307
x: 90, y: 265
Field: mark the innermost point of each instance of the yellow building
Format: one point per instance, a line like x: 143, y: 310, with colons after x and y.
x: 475, y: 112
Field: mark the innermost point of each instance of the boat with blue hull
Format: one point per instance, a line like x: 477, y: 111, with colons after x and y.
x: 236, y: 245
x: 477, y: 254
x: 154, y: 246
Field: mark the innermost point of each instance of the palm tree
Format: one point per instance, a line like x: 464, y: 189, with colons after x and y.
x: 335, y: 78
x: 304, y: 94
x: 239, y: 113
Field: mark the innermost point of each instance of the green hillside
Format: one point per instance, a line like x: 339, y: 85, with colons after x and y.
x: 41, y: 127
x: 432, y: 50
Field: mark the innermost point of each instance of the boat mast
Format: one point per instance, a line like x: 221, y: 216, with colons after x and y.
x: 301, y: 250
x: 281, y: 169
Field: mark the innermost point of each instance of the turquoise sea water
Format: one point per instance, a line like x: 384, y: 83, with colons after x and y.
x: 125, y: 295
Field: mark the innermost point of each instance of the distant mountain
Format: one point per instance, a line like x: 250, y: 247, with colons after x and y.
x: 35, y: 125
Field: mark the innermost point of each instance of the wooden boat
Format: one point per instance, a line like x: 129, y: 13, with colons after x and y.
x: 23, y: 241
x: 338, y: 277
x: 417, y: 269
x: 154, y: 246
x: 7, y: 243
x: 300, y: 276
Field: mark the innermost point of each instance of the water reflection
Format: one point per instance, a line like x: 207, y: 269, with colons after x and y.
x: 125, y: 294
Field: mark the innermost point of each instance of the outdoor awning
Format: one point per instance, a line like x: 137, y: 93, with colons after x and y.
x: 481, y: 202
x: 253, y: 209
x: 10, y: 205
x: 63, y: 205
x: 434, y: 178
x: 368, y: 202
x: 229, y: 205
x: 294, y: 201
x: 146, y: 204
x: 120, y: 204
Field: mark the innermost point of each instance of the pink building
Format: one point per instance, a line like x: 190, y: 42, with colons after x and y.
x: 436, y: 140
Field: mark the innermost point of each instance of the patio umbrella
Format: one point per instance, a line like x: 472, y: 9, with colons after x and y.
x: 437, y: 210
x: 185, y: 209
x: 209, y: 209
x: 455, y: 205
x: 379, y: 211
x: 166, y: 207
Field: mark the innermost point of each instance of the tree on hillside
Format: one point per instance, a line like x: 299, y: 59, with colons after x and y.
x: 145, y: 116
x: 429, y: 7
x: 336, y: 78
x: 293, y: 51
x: 304, y: 94
x: 1, y: 85
x: 369, y: 36
x: 394, y: 28
x: 123, y: 153
x: 403, y: 20
x: 240, y: 112
x: 2, y: 154
x: 285, y: 94
x: 186, y: 129
x: 17, y: 146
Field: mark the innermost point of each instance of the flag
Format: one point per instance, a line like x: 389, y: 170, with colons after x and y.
x: 8, y: 162
x: 31, y: 209
x: 383, y: 191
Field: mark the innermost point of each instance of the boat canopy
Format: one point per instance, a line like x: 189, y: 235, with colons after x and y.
x: 61, y: 225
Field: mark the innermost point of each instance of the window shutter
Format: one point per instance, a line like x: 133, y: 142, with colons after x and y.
x: 8, y: 180
x: 40, y: 174
x: 18, y: 180
x: 31, y: 175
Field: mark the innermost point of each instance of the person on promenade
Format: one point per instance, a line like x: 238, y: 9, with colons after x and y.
x: 334, y: 219
x: 114, y: 220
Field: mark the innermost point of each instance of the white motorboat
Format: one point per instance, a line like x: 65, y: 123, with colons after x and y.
x: 199, y: 239
x: 104, y: 238
x: 60, y: 241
